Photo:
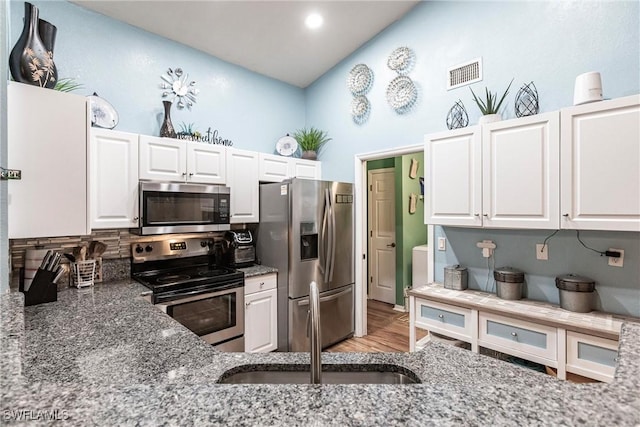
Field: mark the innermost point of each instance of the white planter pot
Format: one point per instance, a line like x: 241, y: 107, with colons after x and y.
x: 489, y: 118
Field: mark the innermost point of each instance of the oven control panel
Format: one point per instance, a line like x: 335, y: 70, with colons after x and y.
x: 178, y: 246
x: 163, y: 249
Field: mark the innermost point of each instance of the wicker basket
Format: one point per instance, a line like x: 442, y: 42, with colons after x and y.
x: 83, y: 273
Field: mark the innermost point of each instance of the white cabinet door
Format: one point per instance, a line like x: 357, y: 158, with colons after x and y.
x: 261, y: 328
x: 600, y: 167
x: 162, y: 159
x: 521, y: 172
x: 206, y: 163
x: 308, y: 169
x: 274, y: 168
x: 47, y: 139
x: 242, y: 178
x: 453, y: 181
x: 113, y: 179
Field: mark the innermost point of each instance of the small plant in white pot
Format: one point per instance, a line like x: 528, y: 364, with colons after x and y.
x: 489, y: 108
x: 311, y: 141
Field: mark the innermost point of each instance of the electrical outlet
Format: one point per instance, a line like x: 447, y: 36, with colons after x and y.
x: 616, y: 262
x: 542, y: 252
x: 487, y: 247
x: 442, y: 244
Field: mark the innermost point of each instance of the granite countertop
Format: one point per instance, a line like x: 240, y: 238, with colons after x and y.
x: 257, y: 270
x: 105, y: 356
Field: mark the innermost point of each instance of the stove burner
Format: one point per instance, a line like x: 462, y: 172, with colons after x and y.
x: 172, y: 278
x: 212, y: 273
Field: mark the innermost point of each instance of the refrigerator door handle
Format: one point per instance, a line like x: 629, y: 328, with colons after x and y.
x: 332, y: 217
x: 323, y: 236
x: 337, y: 295
x: 328, y: 229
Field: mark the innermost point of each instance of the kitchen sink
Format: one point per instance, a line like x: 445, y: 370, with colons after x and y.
x: 331, y: 374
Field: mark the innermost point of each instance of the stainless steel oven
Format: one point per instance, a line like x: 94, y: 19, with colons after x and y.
x: 216, y: 317
x: 189, y: 283
x: 182, y: 208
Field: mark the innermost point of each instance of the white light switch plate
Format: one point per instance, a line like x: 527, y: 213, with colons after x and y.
x: 442, y: 244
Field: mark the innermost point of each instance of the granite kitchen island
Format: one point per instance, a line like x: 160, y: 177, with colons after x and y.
x: 105, y: 356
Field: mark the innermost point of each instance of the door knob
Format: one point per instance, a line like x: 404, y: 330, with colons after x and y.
x: 393, y: 245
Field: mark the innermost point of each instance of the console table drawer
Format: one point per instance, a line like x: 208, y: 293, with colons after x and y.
x: 448, y: 320
x: 590, y: 356
x: 518, y: 337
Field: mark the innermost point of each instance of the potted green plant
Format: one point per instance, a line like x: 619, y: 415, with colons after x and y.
x: 311, y: 141
x: 489, y: 108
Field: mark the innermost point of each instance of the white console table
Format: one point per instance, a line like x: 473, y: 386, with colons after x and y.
x: 582, y: 343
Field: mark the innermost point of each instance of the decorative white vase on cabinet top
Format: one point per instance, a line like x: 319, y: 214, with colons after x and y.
x: 489, y: 118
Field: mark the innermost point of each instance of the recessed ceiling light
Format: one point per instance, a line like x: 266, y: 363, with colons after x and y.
x: 314, y: 21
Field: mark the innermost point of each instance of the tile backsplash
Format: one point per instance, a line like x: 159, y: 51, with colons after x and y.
x: 115, y: 260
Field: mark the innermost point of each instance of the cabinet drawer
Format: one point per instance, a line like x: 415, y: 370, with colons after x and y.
x: 518, y: 337
x: 445, y: 319
x: 590, y: 356
x: 260, y: 283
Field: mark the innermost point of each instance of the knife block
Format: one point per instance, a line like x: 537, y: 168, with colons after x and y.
x: 42, y: 289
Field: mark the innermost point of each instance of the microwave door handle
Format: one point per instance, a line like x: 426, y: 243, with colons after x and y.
x: 329, y: 251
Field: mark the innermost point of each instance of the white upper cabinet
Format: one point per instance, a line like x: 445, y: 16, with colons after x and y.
x: 453, y: 178
x: 163, y: 159
x: 308, y: 169
x: 206, y: 164
x: 242, y: 178
x: 601, y: 165
x: 47, y: 139
x: 113, y: 194
x: 275, y: 168
x: 167, y: 159
x: 520, y: 172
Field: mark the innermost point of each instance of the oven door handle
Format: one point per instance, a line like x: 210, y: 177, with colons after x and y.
x: 196, y: 295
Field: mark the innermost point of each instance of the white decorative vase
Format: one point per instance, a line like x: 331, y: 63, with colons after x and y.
x: 489, y: 118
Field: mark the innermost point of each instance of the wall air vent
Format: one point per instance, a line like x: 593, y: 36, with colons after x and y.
x: 464, y: 74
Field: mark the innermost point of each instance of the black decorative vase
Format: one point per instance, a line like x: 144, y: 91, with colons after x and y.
x: 30, y: 61
x: 167, y: 130
x: 48, y: 33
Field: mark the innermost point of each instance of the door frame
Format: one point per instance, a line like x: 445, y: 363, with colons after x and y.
x: 361, y: 253
x: 370, y: 174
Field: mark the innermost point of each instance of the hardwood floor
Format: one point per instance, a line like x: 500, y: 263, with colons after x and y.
x: 388, y: 331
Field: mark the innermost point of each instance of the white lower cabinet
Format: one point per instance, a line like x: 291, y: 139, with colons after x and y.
x: 548, y: 344
x: 592, y: 357
x: 261, y: 314
x: 521, y: 338
x: 113, y: 183
x: 455, y: 322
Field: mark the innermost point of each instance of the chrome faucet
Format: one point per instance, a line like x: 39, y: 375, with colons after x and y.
x: 316, y: 339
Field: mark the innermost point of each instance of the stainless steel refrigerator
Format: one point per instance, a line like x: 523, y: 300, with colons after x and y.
x: 306, y: 232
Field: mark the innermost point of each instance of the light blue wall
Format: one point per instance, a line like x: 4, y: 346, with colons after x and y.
x: 618, y: 289
x: 123, y: 64
x: 547, y: 42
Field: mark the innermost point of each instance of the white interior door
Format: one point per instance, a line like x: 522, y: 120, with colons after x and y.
x: 382, y: 235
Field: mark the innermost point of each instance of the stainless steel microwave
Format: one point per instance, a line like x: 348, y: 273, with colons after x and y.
x: 182, y: 208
